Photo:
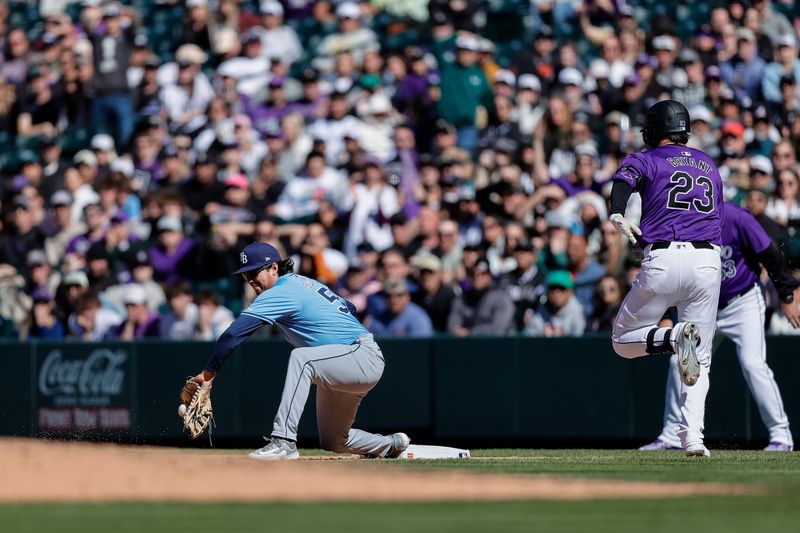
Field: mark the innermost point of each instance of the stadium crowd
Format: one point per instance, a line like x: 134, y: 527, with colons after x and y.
x: 444, y: 165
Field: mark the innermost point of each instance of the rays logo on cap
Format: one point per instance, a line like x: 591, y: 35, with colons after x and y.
x: 682, y: 123
x: 257, y: 255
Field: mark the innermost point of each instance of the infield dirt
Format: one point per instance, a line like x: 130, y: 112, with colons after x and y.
x: 54, y: 471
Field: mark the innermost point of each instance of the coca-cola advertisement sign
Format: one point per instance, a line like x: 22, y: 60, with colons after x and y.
x: 84, y: 389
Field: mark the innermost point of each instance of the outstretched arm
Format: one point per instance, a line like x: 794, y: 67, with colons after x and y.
x: 231, y: 338
x: 777, y: 268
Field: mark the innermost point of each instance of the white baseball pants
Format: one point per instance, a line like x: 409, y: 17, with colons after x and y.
x: 343, y: 374
x: 742, y: 321
x: 689, y: 279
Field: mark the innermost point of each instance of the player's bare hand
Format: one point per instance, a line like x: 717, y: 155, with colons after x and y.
x: 204, y: 376
x: 792, y: 313
x: 626, y: 227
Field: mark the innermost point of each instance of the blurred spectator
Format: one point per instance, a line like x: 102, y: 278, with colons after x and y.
x: 757, y: 202
x: 585, y: 271
x: 434, y: 296
x: 774, y: 23
x: 449, y: 250
x: 693, y: 91
x: 140, y: 272
x: 14, y: 66
x: 140, y: 322
x: 352, y: 36
x: 466, y: 98
x: 187, y: 97
x: 302, y: 195
x: 784, y: 206
x: 786, y: 64
x: 40, y: 273
x: 94, y: 219
x: 203, y: 188
x: 43, y: 321
x: 540, y: 60
x: 404, y: 234
x: 15, y: 301
x: 784, y: 113
x: 78, y: 181
x: 525, y: 284
x: 172, y: 255
x: 180, y: 322
x: 744, y: 71
x: 484, y: 309
x: 277, y: 38
x: 357, y: 287
x: 374, y: 203
x: 40, y: 113
x: 402, y: 318
x: 392, y: 265
x: 112, y: 44
x: 195, y: 27
x: 90, y: 322
x: 99, y: 268
x: 333, y: 128
x: 784, y: 156
x: 212, y: 317
x: 24, y: 235
x: 703, y: 136
x: 608, y: 296
x: 561, y: 314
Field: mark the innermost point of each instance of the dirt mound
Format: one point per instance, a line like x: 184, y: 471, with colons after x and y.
x: 48, y: 471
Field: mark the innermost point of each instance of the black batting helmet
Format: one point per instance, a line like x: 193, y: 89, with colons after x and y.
x: 664, y: 118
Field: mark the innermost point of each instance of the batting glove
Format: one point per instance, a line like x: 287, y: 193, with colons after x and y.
x: 625, y: 226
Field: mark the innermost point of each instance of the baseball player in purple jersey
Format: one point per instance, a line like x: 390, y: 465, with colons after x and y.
x: 681, y: 226
x: 740, y: 316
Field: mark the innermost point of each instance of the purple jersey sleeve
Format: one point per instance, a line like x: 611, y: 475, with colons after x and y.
x: 633, y: 170
x: 681, y: 192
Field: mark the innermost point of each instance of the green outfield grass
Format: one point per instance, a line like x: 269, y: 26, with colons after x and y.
x: 777, y: 510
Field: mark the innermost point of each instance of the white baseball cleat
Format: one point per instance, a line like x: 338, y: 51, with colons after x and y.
x: 657, y: 446
x: 688, y: 365
x: 776, y: 446
x: 697, y: 450
x: 400, y: 442
x: 276, y: 450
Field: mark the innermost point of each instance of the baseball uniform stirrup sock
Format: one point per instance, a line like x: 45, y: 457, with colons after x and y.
x: 658, y: 341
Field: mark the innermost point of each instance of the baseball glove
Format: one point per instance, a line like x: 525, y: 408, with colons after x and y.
x: 197, y: 399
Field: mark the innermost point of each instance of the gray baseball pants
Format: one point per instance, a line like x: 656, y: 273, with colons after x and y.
x: 343, y: 374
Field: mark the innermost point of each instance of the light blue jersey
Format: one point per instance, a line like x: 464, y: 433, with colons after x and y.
x: 308, y: 312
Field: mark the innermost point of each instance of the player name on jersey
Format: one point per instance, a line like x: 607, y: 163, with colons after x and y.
x: 685, y: 161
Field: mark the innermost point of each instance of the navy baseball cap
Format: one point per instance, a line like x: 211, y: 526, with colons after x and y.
x: 257, y: 255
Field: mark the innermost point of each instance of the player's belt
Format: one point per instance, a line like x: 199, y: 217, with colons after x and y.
x: 722, y: 305
x: 700, y: 245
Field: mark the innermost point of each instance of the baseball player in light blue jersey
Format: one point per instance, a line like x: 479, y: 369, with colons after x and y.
x: 740, y: 316
x: 332, y: 350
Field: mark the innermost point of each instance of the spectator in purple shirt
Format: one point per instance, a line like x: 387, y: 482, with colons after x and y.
x: 140, y: 321
x: 170, y: 256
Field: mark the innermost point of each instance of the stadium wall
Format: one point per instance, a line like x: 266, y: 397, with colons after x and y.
x: 488, y: 390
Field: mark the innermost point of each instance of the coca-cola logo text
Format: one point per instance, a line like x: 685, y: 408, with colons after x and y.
x: 98, y: 374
